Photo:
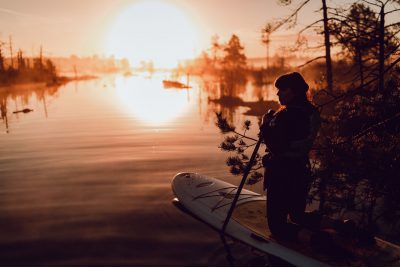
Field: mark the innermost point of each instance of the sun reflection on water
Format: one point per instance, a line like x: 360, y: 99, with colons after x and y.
x: 147, y: 100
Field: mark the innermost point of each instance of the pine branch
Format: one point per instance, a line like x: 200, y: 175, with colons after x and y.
x: 225, y: 127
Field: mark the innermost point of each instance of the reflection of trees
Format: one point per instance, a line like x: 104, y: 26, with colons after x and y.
x: 211, y: 87
x: 229, y: 77
x: 3, y: 109
x: 23, y: 95
x: 218, y: 101
x: 225, y: 80
x: 229, y: 105
x: 147, y: 66
x: 263, y: 92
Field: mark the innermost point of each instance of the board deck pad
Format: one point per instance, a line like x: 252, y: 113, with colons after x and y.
x: 209, y: 200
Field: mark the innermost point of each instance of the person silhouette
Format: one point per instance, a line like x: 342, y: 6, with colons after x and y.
x: 289, y: 134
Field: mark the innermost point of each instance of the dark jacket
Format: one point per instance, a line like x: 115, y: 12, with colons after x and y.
x: 289, y: 135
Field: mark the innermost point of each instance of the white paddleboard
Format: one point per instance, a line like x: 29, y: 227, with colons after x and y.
x: 209, y: 200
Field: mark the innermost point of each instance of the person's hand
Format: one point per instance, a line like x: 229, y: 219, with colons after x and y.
x: 267, y: 117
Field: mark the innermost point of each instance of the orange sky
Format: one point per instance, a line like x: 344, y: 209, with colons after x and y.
x: 84, y: 27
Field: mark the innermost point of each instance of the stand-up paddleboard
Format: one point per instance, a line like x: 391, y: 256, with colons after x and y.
x: 209, y: 200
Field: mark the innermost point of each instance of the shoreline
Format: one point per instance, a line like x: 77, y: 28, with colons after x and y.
x: 60, y: 81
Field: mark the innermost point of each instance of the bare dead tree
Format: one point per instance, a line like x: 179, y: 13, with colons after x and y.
x: 382, y: 5
x: 11, y: 52
x: 329, y: 78
x: 291, y: 21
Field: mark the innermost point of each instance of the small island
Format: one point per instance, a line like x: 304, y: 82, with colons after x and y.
x: 174, y: 84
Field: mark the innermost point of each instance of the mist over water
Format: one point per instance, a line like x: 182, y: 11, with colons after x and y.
x: 85, y: 177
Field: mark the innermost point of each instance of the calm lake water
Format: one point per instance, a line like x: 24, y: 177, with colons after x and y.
x: 85, y: 177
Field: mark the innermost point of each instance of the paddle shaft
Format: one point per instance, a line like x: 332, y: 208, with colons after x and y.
x: 246, y: 173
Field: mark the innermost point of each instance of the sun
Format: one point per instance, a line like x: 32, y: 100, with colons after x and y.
x: 152, y: 31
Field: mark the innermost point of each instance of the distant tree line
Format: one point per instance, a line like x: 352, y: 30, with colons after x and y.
x: 356, y: 158
x: 91, y: 64
x: 23, y: 69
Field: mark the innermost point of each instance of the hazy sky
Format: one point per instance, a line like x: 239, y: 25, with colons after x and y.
x: 81, y: 27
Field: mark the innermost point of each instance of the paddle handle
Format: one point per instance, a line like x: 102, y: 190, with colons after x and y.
x: 246, y: 173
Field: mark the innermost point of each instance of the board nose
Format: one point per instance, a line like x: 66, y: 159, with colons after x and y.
x: 181, y: 176
x: 179, y: 179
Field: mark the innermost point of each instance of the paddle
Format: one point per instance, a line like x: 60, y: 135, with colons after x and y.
x: 245, y: 174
